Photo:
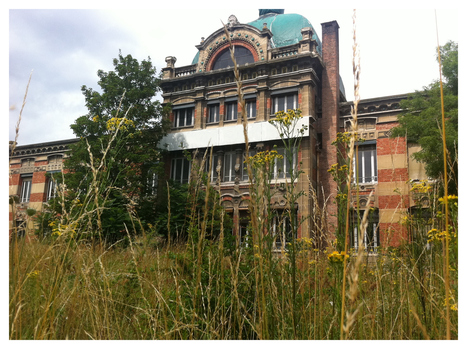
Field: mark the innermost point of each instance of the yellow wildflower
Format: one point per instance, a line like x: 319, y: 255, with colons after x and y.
x: 33, y: 274
x: 119, y: 123
x: 337, y: 257
x: 450, y: 198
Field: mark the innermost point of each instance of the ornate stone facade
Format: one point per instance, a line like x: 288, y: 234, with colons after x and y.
x: 306, y: 70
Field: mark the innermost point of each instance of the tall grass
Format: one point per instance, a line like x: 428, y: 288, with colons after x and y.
x: 210, y: 286
x: 67, y: 289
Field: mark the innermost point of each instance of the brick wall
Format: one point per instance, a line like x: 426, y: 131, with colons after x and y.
x: 393, y: 193
x: 328, y: 124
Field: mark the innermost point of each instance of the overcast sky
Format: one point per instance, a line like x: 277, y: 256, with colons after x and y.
x: 65, y: 48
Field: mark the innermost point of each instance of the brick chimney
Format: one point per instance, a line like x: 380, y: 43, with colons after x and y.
x: 328, y: 124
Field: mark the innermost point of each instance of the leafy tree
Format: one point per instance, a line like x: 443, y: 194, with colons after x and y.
x: 421, y: 120
x: 117, y: 157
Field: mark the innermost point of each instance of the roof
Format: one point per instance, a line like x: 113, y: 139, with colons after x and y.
x: 285, y: 28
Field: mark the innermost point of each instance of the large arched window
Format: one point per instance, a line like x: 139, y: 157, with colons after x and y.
x: 242, y: 56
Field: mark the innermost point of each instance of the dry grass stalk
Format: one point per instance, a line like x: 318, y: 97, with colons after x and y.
x: 256, y: 212
x: 12, y: 150
x: 354, y: 133
x: 354, y: 273
x: 446, y: 206
x: 417, y: 319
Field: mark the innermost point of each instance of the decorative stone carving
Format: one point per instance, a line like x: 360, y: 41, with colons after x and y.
x: 232, y: 21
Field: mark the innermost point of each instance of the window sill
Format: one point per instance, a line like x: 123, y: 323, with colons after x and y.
x: 365, y: 184
x: 182, y: 127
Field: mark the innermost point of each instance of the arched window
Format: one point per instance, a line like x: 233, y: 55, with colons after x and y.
x: 242, y: 56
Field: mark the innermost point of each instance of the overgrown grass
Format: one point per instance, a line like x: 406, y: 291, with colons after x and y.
x: 70, y: 290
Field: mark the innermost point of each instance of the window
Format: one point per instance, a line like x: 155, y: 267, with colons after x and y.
x: 245, y: 238
x: 371, y: 237
x: 366, y: 166
x: 55, y: 159
x: 281, y: 229
x: 55, y: 163
x: 180, y: 170
x: 230, y: 159
x: 213, y: 113
x: 230, y: 111
x: 244, y: 174
x: 367, y: 124
x: 242, y: 56
x: 51, y: 189
x: 215, y: 161
x: 27, y: 162
x: 250, y: 106
x: 284, y: 102
x: 282, y: 166
x: 21, y: 228
x: 26, y: 183
x: 183, y: 116
x: 151, y: 183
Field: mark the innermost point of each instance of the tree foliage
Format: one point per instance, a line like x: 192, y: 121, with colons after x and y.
x: 118, y: 155
x: 421, y: 122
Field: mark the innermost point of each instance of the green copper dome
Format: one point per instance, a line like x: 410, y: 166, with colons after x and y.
x: 285, y: 28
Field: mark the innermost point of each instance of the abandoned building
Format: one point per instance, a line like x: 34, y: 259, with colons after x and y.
x: 283, y: 65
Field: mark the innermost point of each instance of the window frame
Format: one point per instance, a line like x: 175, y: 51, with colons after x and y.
x: 370, y: 244
x: 25, y: 189
x: 51, y: 186
x: 282, y: 166
x: 213, y: 116
x: 242, y: 56
x: 276, y: 97
x: 228, y: 174
x: 244, y: 171
x: 174, y: 175
x: 178, y: 116
x: 250, y: 106
x: 281, y: 218
x: 231, y: 110
x: 213, y: 175
x: 364, y: 151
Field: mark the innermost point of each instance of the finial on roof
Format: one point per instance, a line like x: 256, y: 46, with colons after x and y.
x: 232, y: 21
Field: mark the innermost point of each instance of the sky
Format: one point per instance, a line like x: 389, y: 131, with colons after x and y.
x: 62, y: 50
